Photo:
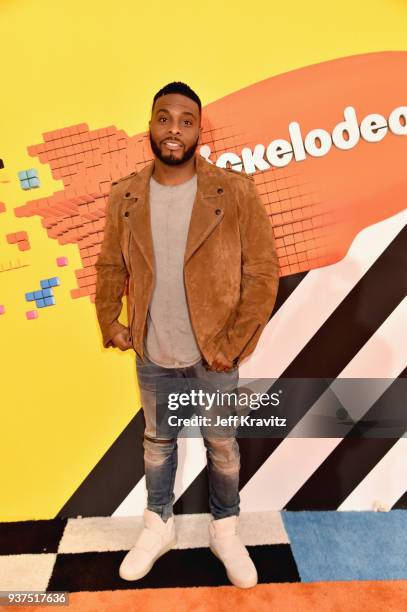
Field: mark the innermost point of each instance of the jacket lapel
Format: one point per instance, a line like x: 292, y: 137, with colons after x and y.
x: 207, y: 210
x: 139, y: 212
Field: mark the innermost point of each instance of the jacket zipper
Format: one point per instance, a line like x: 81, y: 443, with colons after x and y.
x: 190, y: 312
x: 132, y: 317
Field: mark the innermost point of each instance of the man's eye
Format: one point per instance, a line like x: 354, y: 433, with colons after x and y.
x: 187, y: 121
x: 161, y: 118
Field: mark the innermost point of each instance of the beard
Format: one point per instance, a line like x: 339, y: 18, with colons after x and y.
x: 170, y: 159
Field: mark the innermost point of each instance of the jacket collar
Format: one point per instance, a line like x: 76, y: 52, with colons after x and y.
x: 206, y: 173
x: 207, y: 210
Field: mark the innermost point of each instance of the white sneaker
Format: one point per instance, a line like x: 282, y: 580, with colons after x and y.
x: 156, y: 538
x: 225, y: 544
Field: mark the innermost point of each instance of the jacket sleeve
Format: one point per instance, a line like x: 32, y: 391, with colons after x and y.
x: 260, y: 273
x: 111, y: 275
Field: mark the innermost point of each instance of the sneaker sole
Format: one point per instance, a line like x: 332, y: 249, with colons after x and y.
x: 235, y: 583
x: 145, y: 571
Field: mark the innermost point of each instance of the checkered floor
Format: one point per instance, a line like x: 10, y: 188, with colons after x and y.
x: 84, y: 554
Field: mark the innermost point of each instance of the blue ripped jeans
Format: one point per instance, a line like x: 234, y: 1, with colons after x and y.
x: 161, y: 451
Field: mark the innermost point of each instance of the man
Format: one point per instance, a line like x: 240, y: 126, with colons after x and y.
x: 196, y: 246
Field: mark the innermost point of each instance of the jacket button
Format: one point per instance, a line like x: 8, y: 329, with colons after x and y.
x: 220, y: 190
x: 218, y: 211
x: 126, y: 214
x: 127, y: 194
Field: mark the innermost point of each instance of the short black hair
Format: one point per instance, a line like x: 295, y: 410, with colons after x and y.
x: 180, y: 88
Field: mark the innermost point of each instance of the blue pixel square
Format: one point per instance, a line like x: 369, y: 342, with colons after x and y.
x: 32, y: 173
x: 25, y: 184
x: 44, y: 296
x: 22, y: 175
x: 34, y: 182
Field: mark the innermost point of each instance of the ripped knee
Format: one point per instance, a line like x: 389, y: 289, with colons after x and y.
x: 159, y: 440
x: 157, y: 450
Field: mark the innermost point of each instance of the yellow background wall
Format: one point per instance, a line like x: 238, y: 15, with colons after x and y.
x: 64, y: 398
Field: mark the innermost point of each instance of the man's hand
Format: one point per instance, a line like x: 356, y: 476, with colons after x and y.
x: 121, y: 340
x: 221, y: 363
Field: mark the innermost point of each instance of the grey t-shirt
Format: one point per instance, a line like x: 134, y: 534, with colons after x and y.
x: 170, y: 341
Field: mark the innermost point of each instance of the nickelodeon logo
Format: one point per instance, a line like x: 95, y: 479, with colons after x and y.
x: 316, y: 207
x: 317, y: 142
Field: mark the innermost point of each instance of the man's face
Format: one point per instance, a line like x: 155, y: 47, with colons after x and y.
x: 174, y: 129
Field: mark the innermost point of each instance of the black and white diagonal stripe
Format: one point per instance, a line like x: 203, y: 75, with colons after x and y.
x: 343, y: 320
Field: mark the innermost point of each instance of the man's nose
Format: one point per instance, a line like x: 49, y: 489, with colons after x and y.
x: 174, y: 129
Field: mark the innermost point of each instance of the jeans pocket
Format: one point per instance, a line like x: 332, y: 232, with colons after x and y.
x: 146, y: 374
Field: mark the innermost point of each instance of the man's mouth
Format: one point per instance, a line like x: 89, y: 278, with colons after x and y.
x: 172, y: 145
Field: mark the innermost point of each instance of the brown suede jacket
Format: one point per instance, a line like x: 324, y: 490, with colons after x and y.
x: 231, y: 270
